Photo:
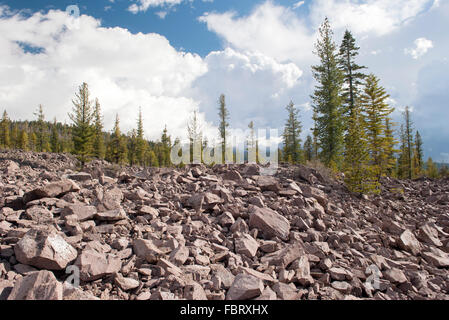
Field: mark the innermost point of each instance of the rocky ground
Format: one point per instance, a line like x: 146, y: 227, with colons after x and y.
x: 224, y: 232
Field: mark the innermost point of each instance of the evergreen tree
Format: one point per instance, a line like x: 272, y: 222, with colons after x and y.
x: 377, y: 112
x: 405, y: 158
x: 327, y: 99
x: 14, y: 136
x: 117, y: 150
x: 152, y: 158
x: 42, y: 142
x: 308, y: 149
x: 195, y: 134
x: 223, y: 114
x: 54, y: 138
x: 252, y: 145
x: 315, y: 145
x: 132, y: 147
x: 99, y: 148
x: 444, y: 171
x: 5, y: 141
x: 292, y: 135
x: 418, y: 155
x: 164, y: 158
x: 33, y: 141
x: 83, y: 130
x: 352, y: 76
x: 23, y: 143
x: 141, y: 143
x: 389, y: 149
x: 360, y: 175
x: 431, y: 169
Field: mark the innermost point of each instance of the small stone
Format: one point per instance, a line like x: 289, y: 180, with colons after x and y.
x: 245, y: 287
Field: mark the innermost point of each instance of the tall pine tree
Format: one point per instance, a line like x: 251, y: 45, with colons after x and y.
x: 83, y: 130
x: 353, y: 77
x: 42, y: 142
x: 377, y: 112
x: 141, y: 144
x: 418, y: 155
x: 292, y: 135
x: 99, y: 148
x: 223, y: 115
x: 5, y: 140
x: 327, y: 99
x: 117, y: 149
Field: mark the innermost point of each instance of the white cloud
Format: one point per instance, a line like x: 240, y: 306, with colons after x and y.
x: 143, y: 5
x: 123, y: 70
x: 298, y: 4
x: 422, y: 45
x: 126, y: 70
x: 379, y: 17
x: 162, y: 14
x: 273, y: 30
x: 257, y: 87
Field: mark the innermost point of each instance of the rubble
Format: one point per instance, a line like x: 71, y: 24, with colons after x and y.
x: 220, y: 232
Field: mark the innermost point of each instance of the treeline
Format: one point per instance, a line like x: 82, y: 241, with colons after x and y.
x: 86, y: 137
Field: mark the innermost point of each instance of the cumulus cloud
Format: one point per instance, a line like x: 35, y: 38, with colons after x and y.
x: 379, y: 17
x: 44, y: 62
x: 273, y: 30
x: 124, y: 71
x: 422, y: 45
x: 257, y: 87
x: 298, y: 4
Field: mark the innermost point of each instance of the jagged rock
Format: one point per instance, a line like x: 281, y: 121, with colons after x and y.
x: 246, y: 245
x: 79, y: 212
x: 269, y: 223
x: 429, y: 235
x: 44, y: 250
x: 407, y: 241
x: 41, y: 285
x: 51, y: 190
x: 245, y: 287
x: 94, y: 265
x: 268, y: 183
x: 395, y: 276
x: 126, y: 284
x: 111, y: 215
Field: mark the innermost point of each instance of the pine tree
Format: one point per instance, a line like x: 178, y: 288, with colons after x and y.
x: 54, y: 138
x: 23, y: 143
x: 152, y: 159
x: 33, y: 141
x: 352, y: 76
x: 308, y: 149
x: 42, y: 141
x: 5, y: 141
x: 252, y: 145
x: 405, y: 158
x: 444, y: 171
x: 431, y: 169
x: 292, y: 135
x: 389, y: 148
x: 360, y: 175
x: 141, y: 143
x: 82, y: 118
x: 164, y: 158
x: 132, y: 147
x: 327, y: 99
x: 117, y: 150
x: 99, y: 148
x: 418, y: 155
x: 315, y: 145
x: 223, y: 114
x: 377, y: 112
x: 14, y: 136
x: 195, y: 134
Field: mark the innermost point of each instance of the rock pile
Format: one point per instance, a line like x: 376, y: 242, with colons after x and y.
x: 215, y: 233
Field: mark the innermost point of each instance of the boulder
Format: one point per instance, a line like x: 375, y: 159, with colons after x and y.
x: 41, y: 285
x: 245, y: 287
x: 44, y: 250
x: 269, y: 223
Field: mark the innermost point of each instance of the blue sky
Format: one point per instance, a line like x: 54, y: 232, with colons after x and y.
x: 174, y: 56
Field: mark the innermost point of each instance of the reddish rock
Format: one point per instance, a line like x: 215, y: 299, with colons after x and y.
x: 269, y: 223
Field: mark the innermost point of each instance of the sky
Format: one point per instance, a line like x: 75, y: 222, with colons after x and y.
x: 171, y: 57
